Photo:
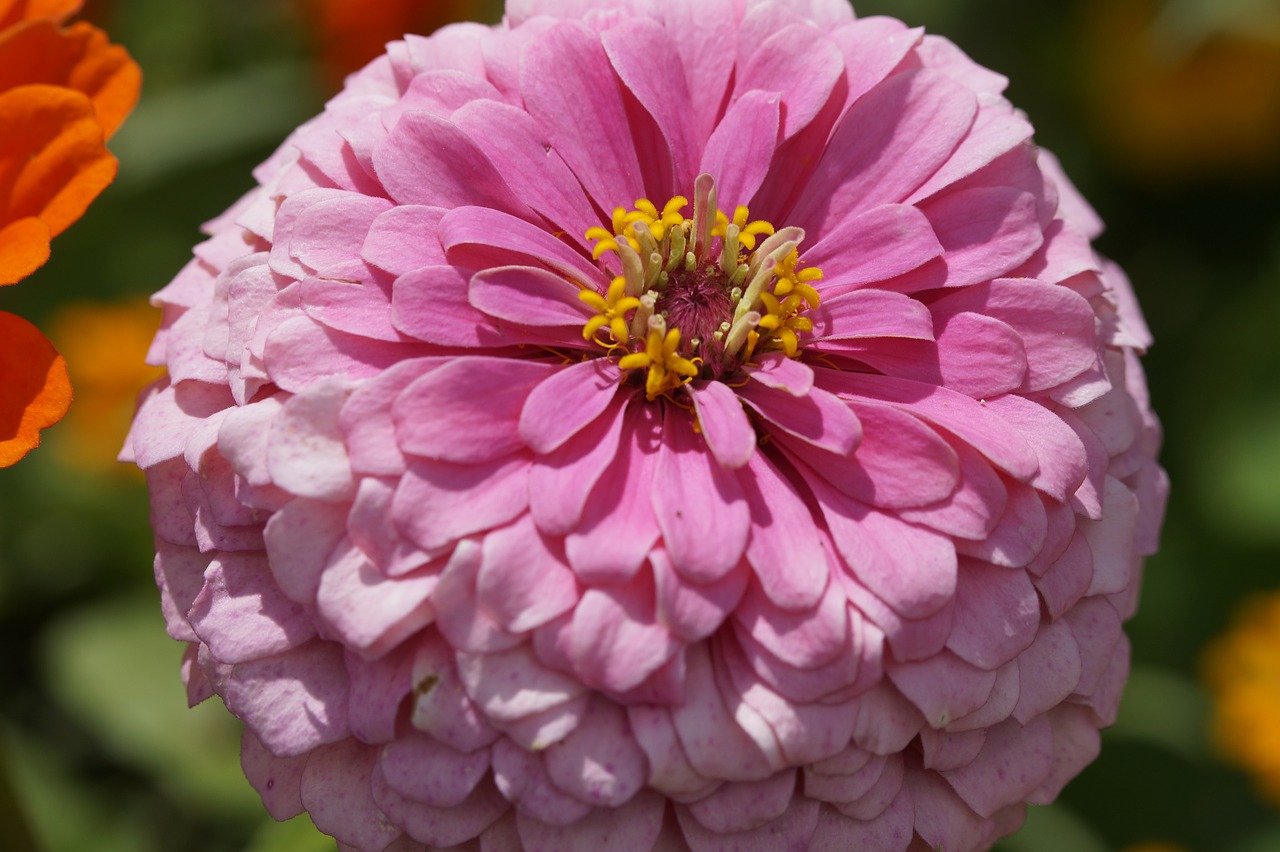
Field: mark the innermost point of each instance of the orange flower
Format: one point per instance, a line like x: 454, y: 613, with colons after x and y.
x: 350, y: 33
x: 63, y: 91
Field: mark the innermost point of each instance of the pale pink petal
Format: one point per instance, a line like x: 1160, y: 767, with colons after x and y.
x: 792, y: 830
x: 524, y: 580
x: 1014, y: 761
x: 693, y: 611
x: 713, y: 743
x: 404, y: 238
x: 432, y: 304
x: 599, y: 763
x: 360, y: 309
x: 299, y: 539
x: 242, y: 615
x: 890, y: 831
x: 294, y: 701
x: 305, y: 451
x: 944, y: 687
x: 439, y: 827
x: 744, y: 805
x: 632, y: 827
x: 370, y: 611
x: 997, y: 614
x: 328, y: 235
x: 615, y: 640
x: 278, y: 780
x: 455, y: 774
x: 337, y: 792
x: 378, y: 689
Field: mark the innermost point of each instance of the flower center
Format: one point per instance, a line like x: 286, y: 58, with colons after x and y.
x: 697, y: 297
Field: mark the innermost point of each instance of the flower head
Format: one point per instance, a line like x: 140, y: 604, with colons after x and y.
x: 681, y: 427
x: 63, y: 91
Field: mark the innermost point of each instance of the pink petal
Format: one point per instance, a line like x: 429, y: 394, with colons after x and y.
x: 805, y: 78
x: 995, y: 132
x: 299, y: 539
x: 649, y: 68
x: 511, y: 685
x: 300, y: 352
x: 997, y: 614
x: 439, y: 827
x: 956, y: 413
x: 693, y: 611
x: 242, y: 615
x: 481, y: 238
x: 432, y: 304
x: 360, y: 309
x: 818, y: 418
x: 878, y: 244
x: 1075, y: 745
x: 1056, y: 325
x: 428, y: 160
x: 725, y: 427
x: 698, y: 505
x: 1048, y: 672
x: 569, y: 86
x: 616, y: 642
x: 974, y: 508
x: 599, y: 763
x: 278, y: 780
x: 437, y: 503
x: 467, y: 410
x: 337, y: 792
x: 374, y: 532
x: 404, y: 238
x: 986, y: 231
x: 741, y: 147
x: 915, y: 117
x: 367, y: 423
x: 571, y: 399
x: 980, y: 356
x: 305, y: 451
x: 377, y: 693
x: 522, y: 779
x: 294, y: 701
x: 890, y: 831
x: 528, y: 296
x: 714, y: 744
x: 1063, y: 459
x: 618, y: 525
x: 802, y: 639
x: 783, y: 548
x: 911, y: 569
x: 670, y: 772
x: 572, y: 470
x: 441, y: 707
x: 1111, y: 539
x: 744, y: 805
x: 1013, y: 762
x: 516, y: 144
x: 1068, y: 578
x: 944, y: 687
x: 453, y: 777
x: 632, y: 827
x: 524, y: 580
x: 1019, y: 534
x: 775, y: 370
x: 328, y: 235
x: 871, y: 313
x: 792, y: 830
x: 369, y: 611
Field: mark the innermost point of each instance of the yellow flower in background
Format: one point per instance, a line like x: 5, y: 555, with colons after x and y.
x: 105, y: 344
x: 1183, y: 89
x: 1242, y: 668
x: 1154, y: 846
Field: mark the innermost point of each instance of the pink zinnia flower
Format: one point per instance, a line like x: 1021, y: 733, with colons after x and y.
x: 688, y: 425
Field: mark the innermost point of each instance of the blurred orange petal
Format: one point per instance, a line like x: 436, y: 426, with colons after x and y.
x: 16, y: 11
x: 24, y: 247
x: 52, y: 158
x: 34, y: 389
x: 78, y: 57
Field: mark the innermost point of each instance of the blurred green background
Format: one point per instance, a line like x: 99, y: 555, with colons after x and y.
x: 1166, y: 113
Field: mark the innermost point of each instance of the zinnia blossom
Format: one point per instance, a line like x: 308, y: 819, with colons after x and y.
x: 674, y: 426
x: 63, y: 91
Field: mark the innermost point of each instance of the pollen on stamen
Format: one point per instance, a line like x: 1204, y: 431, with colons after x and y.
x: 697, y: 296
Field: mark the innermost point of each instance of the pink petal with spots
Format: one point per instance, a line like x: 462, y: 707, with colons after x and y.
x: 371, y: 612
x: 524, y: 580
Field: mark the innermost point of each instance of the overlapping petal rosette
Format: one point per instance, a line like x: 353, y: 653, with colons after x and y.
x: 698, y: 425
